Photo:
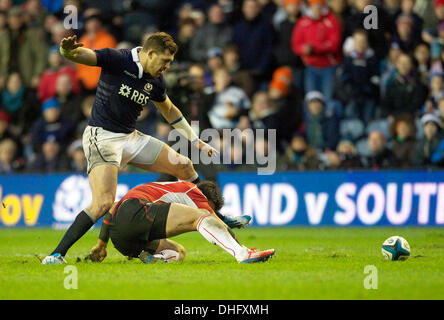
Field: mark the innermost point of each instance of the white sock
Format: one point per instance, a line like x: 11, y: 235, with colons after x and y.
x: 168, y: 255
x: 216, y: 233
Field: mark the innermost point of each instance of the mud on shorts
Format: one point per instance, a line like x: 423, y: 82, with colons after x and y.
x: 138, y: 225
x: 102, y: 146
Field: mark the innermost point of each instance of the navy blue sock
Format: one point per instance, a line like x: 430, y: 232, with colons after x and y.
x: 79, y: 227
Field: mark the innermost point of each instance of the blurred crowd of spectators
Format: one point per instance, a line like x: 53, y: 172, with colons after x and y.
x: 340, y: 96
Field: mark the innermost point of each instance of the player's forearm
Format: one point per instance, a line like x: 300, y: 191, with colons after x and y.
x: 175, y: 118
x: 104, y: 231
x: 169, y: 111
x: 80, y: 55
x: 178, y: 122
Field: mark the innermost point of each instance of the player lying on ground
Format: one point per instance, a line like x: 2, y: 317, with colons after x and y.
x: 205, y: 195
x: 128, y: 80
x: 139, y: 228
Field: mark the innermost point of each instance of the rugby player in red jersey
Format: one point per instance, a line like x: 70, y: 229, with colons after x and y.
x: 147, y: 215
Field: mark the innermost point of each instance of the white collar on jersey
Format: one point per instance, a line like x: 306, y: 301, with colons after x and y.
x: 134, y: 52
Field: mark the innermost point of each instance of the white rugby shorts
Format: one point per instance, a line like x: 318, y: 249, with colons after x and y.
x: 102, y: 146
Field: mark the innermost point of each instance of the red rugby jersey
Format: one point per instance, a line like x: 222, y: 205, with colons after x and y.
x: 182, y: 192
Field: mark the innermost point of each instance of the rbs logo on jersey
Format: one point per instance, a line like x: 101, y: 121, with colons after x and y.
x: 133, y: 94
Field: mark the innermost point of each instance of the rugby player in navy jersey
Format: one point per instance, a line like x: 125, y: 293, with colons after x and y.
x: 128, y: 80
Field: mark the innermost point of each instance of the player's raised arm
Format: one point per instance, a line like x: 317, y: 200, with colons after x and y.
x: 175, y: 118
x: 72, y: 50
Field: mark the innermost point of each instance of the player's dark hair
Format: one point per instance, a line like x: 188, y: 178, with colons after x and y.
x: 159, y: 42
x: 211, y: 190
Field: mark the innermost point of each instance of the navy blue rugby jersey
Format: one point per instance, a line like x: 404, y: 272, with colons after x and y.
x: 123, y: 90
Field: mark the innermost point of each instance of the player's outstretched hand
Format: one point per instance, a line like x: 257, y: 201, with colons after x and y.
x: 206, y: 147
x: 98, y: 253
x: 69, y: 45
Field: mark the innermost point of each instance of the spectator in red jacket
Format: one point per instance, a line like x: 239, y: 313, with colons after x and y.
x: 317, y: 39
x: 47, y: 85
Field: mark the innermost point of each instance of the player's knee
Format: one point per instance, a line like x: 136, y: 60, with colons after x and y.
x: 185, y: 170
x: 199, y: 215
x: 101, y: 207
x: 105, y: 205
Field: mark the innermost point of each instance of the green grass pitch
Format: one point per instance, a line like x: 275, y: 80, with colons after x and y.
x: 310, y: 263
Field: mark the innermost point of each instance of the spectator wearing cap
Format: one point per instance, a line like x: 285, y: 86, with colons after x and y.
x: 20, y: 103
x: 281, y: 82
x: 95, y: 37
x: 439, y: 9
x: 321, y: 123
x: 404, y: 35
x: 299, y: 155
x: 215, y: 33
x: 22, y: 49
x: 378, y: 37
x: 214, y: 61
x: 430, y: 149
x: 51, y: 158
x: 287, y: 100
x: 51, y: 124
x: 253, y: 35
x: 185, y: 34
x: 360, y: 73
x: 317, y: 39
x: 406, y: 93
x: 53, y: 6
x: 57, y: 66
x: 230, y: 101
x: 381, y: 157
x: 283, y: 53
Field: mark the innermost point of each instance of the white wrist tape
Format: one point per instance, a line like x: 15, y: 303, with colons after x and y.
x: 184, y: 128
